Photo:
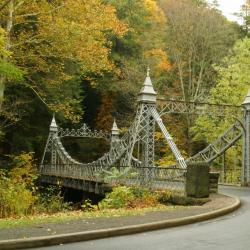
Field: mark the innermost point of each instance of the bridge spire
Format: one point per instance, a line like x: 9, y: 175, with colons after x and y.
x: 147, y: 93
x: 114, y: 134
x: 53, y: 126
x: 115, y: 129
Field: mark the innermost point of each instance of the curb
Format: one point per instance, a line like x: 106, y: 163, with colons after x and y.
x: 229, y: 184
x: 118, y: 231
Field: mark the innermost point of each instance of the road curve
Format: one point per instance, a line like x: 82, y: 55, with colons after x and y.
x: 230, y: 232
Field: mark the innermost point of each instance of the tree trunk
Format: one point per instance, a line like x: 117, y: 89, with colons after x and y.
x: 2, y: 87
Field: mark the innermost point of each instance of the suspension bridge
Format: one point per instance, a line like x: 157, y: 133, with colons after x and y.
x: 58, y: 167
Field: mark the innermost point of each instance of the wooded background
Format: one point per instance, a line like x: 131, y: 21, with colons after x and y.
x: 85, y: 61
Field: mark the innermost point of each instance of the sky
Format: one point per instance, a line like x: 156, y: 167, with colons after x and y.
x: 228, y: 7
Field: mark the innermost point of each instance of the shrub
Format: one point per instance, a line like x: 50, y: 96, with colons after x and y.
x: 120, y: 197
x: 144, y: 197
x: 17, y: 187
x: 50, y: 200
x: 129, y: 197
x: 19, y: 194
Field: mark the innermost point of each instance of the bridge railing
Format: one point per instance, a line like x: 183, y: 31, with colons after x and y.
x: 150, y: 177
x: 153, y: 177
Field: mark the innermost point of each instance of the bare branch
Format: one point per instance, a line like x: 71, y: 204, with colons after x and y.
x: 36, y: 93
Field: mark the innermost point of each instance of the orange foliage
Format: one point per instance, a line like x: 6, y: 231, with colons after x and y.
x: 160, y: 58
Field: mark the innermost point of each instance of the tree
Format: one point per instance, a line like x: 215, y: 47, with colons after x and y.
x: 54, y: 40
x: 197, y: 37
x: 141, y: 46
x: 232, y: 87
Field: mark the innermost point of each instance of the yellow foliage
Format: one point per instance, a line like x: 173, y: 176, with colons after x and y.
x: 75, y: 29
x: 23, y: 171
x: 17, y: 187
x: 156, y: 14
x: 46, y: 36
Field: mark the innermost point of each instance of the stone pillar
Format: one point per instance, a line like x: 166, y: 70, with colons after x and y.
x: 245, y: 177
x: 197, y: 181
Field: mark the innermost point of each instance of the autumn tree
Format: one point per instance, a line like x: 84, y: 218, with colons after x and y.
x: 51, y: 46
x: 141, y: 46
x: 53, y: 40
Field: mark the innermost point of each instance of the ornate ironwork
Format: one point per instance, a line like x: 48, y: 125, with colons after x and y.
x: 84, y: 131
x: 171, y: 106
x: 57, y: 162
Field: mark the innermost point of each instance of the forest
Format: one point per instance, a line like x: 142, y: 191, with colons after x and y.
x: 85, y: 62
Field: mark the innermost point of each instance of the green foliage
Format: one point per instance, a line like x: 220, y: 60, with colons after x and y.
x: 197, y: 37
x: 9, y: 71
x: 115, y: 174
x: 232, y: 86
x: 87, y: 205
x: 120, y: 197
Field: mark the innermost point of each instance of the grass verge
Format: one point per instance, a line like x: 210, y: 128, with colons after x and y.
x: 74, y: 215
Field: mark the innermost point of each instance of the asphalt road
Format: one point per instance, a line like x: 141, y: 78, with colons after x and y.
x: 231, y: 232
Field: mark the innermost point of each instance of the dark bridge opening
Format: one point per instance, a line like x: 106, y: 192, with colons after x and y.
x: 85, y: 150
x: 74, y: 196
x: 77, y: 197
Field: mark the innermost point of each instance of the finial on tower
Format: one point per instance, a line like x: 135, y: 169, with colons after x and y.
x: 115, y: 129
x: 147, y: 93
x: 53, y: 125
